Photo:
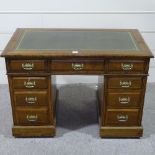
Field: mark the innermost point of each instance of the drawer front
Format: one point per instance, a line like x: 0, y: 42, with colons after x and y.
x: 125, y: 82
x: 122, y: 117
x: 30, y: 98
x: 63, y: 65
x: 126, y: 66
x: 124, y: 99
x: 30, y: 82
x: 26, y: 65
x: 29, y: 116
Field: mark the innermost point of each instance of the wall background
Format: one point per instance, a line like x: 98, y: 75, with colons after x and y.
x: 138, y: 14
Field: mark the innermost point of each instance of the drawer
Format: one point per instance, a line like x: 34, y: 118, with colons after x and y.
x: 29, y: 116
x: 30, y: 98
x: 126, y: 66
x: 26, y: 65
x: 124, y: 99
x: 125, y: 82
x: 122, y: 117
x: 82, y: 65
x: 30, y: 82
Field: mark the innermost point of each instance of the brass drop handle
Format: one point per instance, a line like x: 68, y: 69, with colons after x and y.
x: 122, y: 118
x: 77, y: 66
x: 124, y: 100
x: 27, y: 66
x: 30, y: 100
x: 32, y: 118
x: 125, y: 84
x: 29, y: 84
x: 127, y: 66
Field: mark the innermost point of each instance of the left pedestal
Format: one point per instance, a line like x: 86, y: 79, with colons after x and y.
x: 32, y: 98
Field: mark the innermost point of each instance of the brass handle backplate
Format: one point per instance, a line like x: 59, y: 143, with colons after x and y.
x: 122, y: 118
x: 32, y: 118
x: 125, y: 84
x: 29, y: 84
x: 124, y: 100
x: 31, y: 100
x: 127, y: 66
x: 27, y: 66
x: 77, y: 66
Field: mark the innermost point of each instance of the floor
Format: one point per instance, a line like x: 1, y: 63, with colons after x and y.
x: 77, y: 127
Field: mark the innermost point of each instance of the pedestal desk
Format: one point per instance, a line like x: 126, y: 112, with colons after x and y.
x: 119, y: 57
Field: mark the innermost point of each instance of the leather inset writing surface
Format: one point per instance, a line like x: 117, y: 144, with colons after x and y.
x: 77, y: 40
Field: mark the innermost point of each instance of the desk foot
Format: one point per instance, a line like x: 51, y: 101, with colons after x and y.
x: 34, y: 131
x: 124, y: 132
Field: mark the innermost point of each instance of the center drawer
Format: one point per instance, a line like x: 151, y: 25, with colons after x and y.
x: 31, y: 116
x: 30, y: 82
x: 81, y: 65
x: 30, y: 98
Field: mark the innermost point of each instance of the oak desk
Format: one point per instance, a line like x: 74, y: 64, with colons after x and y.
x: 119, y: 57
